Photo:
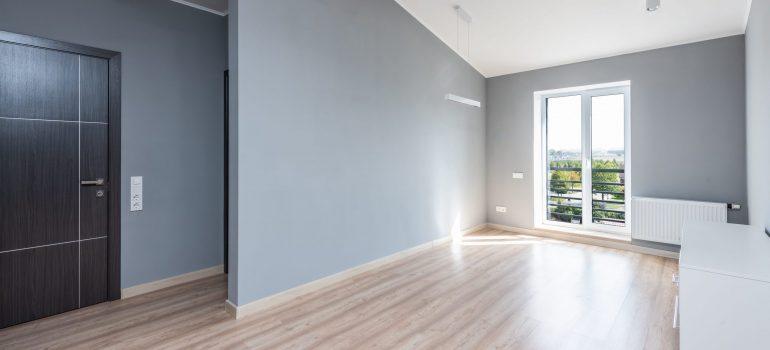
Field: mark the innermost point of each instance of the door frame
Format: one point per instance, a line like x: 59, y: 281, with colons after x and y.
x: 114, y: 183
x: 226, y: 172
x: 540, y: 165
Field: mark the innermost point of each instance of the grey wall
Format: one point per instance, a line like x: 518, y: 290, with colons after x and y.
x: 173, y: 59
x: 758, y: 112
x: 687, y: 125
x: 232, y: 243
x: 347, y: 150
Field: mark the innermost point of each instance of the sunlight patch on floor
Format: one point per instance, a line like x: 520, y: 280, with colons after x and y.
x: 491, y: 240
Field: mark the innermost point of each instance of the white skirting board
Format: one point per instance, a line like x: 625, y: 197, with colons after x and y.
x: 267, y: 302
x: 276, y: 299
x: 171, y: 281
x: 586, y: 239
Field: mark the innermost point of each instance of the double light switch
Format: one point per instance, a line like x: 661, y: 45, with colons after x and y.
x: 136, y: 193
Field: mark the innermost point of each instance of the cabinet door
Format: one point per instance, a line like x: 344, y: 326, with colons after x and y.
x: 722, y: 312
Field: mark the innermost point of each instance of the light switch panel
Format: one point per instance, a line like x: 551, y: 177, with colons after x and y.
x: 518, y: 176
x: 136, y: 193
x: 501, y: 209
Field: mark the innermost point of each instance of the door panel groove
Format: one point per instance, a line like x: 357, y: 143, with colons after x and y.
x: 54, y: 120
x: 38, y: 283
x: 53, y: 244
x: 38, y: 173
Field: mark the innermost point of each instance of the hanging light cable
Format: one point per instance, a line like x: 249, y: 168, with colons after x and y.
x: 469, y: 41
x: 466, y: 17
x: 457, y: 27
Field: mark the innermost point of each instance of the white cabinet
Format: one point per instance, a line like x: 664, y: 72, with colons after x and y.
x: 724, y: 287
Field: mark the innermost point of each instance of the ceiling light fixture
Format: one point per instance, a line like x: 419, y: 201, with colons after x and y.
x: 465, y: 17
x: 652, y: 5
x: 463, y: 100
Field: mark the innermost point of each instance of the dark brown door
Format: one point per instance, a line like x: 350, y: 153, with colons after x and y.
x: 54, y: 162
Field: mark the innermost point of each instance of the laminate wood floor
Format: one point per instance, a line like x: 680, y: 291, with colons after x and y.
x: 494, y: 290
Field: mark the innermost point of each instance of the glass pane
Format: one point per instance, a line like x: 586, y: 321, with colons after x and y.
x: 608, y: 160
x: 564, y: 147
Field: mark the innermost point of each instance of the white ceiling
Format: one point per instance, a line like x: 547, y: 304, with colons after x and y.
x: 509, y: 36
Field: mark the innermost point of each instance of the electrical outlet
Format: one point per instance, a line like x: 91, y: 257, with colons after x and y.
x: 518, y: 176
x: 501, y: 209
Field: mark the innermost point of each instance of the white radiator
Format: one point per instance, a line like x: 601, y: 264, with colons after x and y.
x: 661, y: 220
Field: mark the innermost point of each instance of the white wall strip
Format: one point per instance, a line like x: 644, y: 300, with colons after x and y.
x: 463, y: 100
x: 202, y: 8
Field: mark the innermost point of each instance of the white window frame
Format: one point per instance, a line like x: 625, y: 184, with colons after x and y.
x: 540, y: 155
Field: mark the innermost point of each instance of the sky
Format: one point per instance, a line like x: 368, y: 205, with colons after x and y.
x: 564, y: 123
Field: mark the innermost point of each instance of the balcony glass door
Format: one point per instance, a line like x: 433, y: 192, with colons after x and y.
x: 565, y: 159
x: 608, y: 200
x: 585, y: 142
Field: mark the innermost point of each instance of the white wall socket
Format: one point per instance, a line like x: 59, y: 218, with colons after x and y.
x: 501, y: 209
x: 137, y: 202
x: 518, y: 176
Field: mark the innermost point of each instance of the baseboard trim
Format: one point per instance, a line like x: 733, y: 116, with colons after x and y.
x: 265, y: 303
x: 597, y: 241
x: 171, y: 281
x: 231, y: 308
x: 473, y: 229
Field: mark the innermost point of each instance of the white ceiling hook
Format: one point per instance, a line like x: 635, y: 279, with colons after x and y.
x: 652, y: 5
x: 464, y: 15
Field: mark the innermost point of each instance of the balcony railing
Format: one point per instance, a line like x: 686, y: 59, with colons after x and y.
x: 607, y: 202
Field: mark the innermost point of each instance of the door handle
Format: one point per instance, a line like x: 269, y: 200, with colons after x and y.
x: 97, y: 182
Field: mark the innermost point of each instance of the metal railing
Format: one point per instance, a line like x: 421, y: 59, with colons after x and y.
x: 560, y: 197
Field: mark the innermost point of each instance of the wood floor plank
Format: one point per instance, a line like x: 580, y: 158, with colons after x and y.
x: 492, y: 290
x: 418, y: 308
x: 321, y: 307
x: 369, y: 305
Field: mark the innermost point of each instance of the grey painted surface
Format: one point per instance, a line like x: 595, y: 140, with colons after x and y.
x: 687, y: 125
x: 173, y: 58
x: 232, y: 256
x: 758, y: 112
x: 347, y: 150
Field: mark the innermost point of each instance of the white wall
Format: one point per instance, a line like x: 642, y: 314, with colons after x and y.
x: 758, y: 112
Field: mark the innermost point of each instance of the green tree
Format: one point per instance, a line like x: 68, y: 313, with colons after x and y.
x: 562, y: 183
x: 608, y: 181
x: 602, y: 180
